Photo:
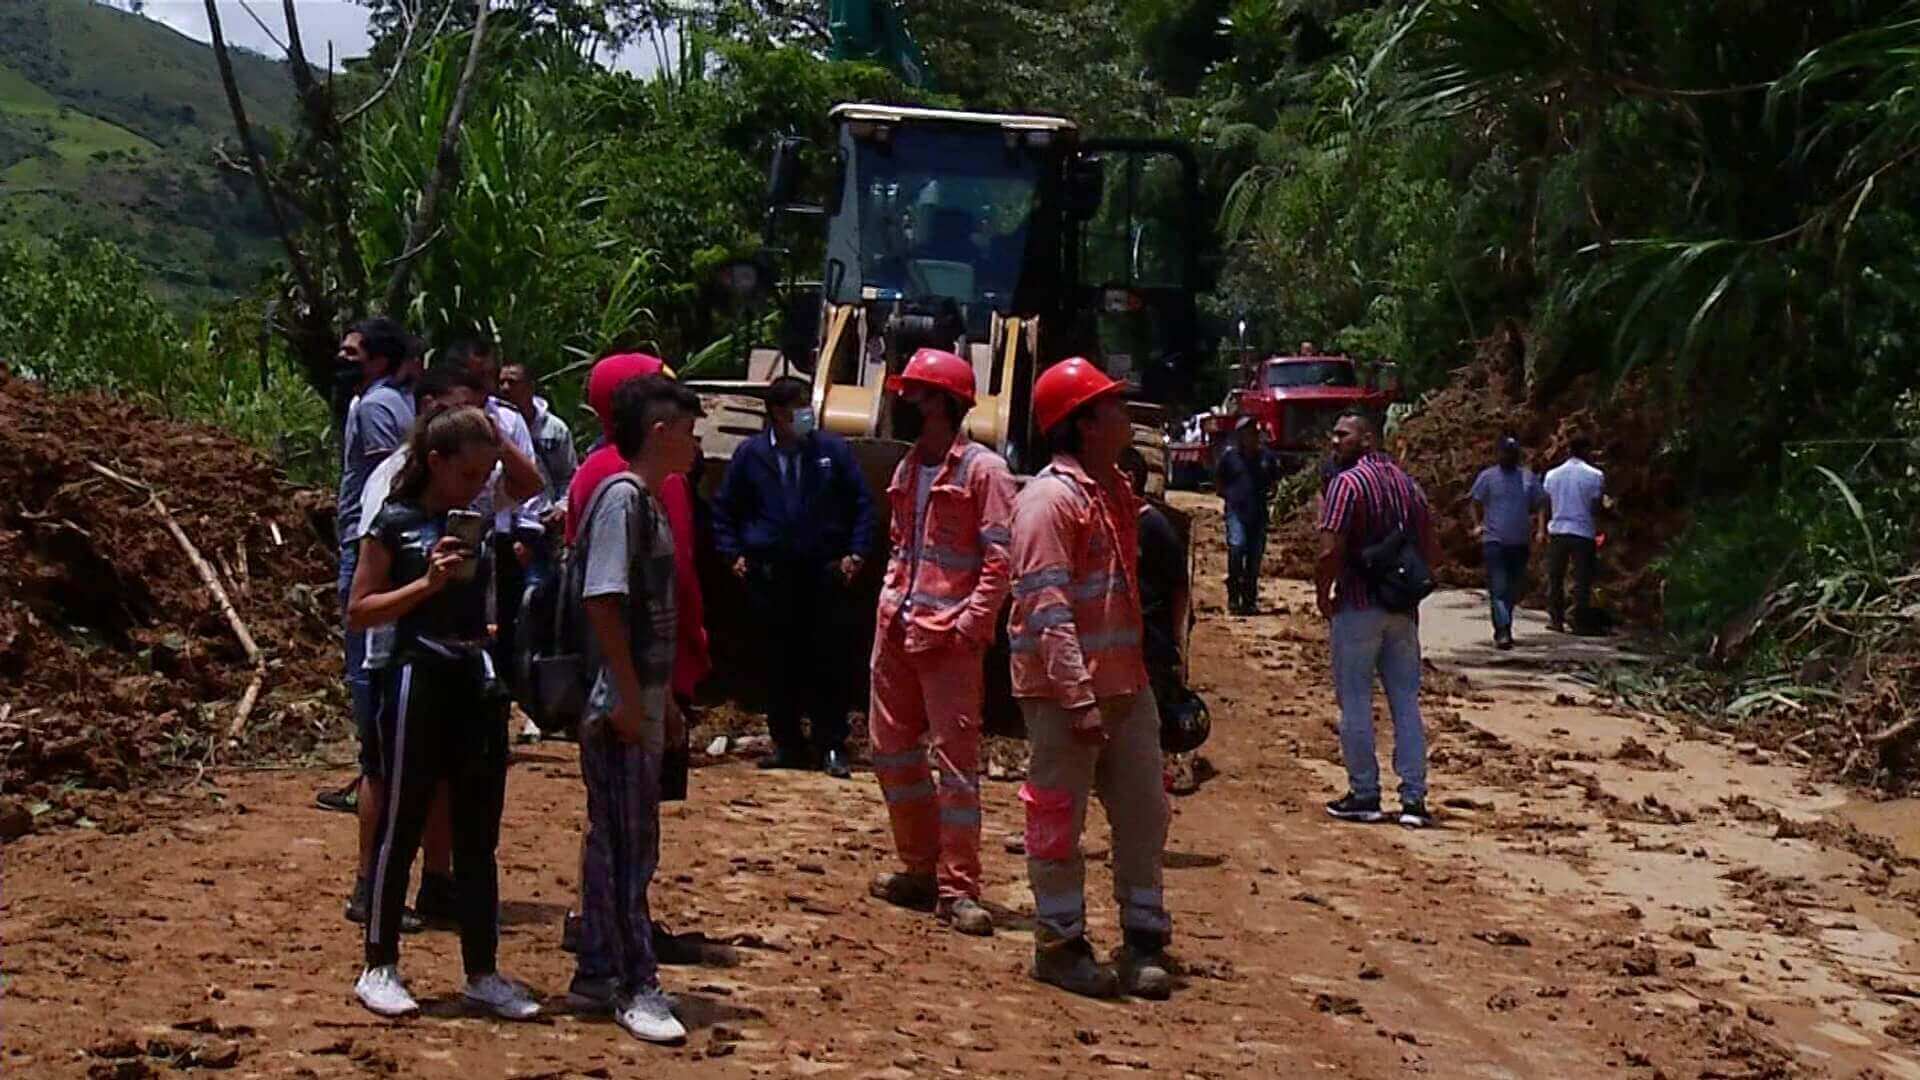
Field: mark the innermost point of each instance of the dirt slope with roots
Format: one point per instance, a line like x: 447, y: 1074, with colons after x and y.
x: 116, y: 665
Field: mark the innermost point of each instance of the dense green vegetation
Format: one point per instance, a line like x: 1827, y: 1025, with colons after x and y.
x: 1716, y: 196
x: 107, y: 128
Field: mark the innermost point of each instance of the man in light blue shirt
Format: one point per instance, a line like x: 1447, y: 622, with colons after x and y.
x: 1577, y: 491
x: 1506, y: 499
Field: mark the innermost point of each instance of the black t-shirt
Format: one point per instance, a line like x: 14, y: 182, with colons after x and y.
x: 1163, y: 573
x: 456, y: 614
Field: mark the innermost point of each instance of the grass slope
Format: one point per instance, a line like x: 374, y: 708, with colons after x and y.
x: 107, y: 123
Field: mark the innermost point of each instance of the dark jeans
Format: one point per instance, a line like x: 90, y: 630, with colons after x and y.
x: 797, y: 605
x: 359, y: 681
x: 1506, y: 582
x: 439, y: 721
x: 1246, y: 546
x: 1580, y: 552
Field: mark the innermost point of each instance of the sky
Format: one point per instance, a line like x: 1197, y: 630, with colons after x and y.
x: 338, y: 23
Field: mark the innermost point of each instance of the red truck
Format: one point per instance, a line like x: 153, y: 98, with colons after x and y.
x: 1296, y: 399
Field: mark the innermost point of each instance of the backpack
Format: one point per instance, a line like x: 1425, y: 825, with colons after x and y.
x: 1397, y: 572
x: 553, y: 653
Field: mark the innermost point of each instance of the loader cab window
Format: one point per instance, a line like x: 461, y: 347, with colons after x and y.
x: 931, y: 214
x: 1141, y: 236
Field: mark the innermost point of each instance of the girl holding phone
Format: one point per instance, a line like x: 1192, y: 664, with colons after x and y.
x: 439, y: 715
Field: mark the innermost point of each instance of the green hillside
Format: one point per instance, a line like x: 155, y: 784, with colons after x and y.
x: 107, y: 124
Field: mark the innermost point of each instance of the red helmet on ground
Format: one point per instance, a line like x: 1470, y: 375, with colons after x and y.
x: 1065, y: 387
x: 939, y: 370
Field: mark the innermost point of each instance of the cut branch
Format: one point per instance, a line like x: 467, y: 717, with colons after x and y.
x: 212, y: 581
x: 302, y: 272
x: 443, y: 167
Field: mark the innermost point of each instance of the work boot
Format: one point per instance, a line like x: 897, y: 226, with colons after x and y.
x: 1142, y: 966
x: 1070, y: 966
x: 966, y: 915
x: 907, y: 890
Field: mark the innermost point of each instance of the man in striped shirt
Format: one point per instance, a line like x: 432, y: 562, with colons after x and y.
x: 1371, y: 498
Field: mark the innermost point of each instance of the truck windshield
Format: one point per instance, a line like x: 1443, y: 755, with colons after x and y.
x: 943, y: 213
x: 1310, y: 373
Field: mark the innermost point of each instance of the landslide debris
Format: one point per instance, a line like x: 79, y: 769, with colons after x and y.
x: 116, y: 664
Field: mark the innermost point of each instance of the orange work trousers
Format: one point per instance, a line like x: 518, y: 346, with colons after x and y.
x: 928, y: 704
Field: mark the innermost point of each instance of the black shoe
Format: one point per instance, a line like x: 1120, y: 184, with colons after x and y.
x: 835, y: 764
x: 677, y: 950
x: 345, y: 800
x: 1503, y: 641
x: 1351, y: 807
x: 359, y: 910
x: 1142, y: 966
x: 1413, y: 814
x: 787, y: 759
x: 436, y: 902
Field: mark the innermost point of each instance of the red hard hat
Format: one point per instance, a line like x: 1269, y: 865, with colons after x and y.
x: 939, y: 370
x: 1065, y: 387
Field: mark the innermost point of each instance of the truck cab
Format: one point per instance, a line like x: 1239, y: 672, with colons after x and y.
x: 1296, y: 399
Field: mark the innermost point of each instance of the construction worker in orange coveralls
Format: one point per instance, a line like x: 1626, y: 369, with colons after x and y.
x: 951, y: 501
x: 1081, y: 680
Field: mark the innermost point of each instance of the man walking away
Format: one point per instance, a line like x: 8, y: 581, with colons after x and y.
x: 626, y: 586
x: 1577, y: 491
x: 1080, y: 678
x: 1506, y: 499
x: 1245, y: 478
x: 794, y: 519
x: 952, y: 504
x: 1368, y: 502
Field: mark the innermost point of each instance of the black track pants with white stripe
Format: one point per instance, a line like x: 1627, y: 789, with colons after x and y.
x: 438, y: 724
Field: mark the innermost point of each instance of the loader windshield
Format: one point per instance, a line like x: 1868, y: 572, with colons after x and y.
x: 940, y: 213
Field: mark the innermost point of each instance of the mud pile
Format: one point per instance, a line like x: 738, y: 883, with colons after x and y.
x: 1450, y: 437
x: 116, y: 664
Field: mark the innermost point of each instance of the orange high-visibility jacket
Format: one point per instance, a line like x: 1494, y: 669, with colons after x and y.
x: 1075, y: 624
x: 964, y: 570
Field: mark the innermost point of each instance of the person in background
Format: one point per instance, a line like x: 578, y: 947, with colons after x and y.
x: 1507, y: 497
x: 1081, y: 682
x: 1165, y: 606
x: 538, y: 526
x: 627, y: 592
x: 440, y: 722
x: 1577, y: 492
x: 525, y: 490
x: 1245, y: 478
x: 378, y: 421
x: 438, y: 390
x: 795, y: 519
x: 939, y: 609
x: 1370, y: 499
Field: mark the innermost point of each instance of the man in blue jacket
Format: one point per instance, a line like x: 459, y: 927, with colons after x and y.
x: 795, y: 520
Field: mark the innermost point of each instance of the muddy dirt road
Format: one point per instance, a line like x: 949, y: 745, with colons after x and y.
x: 1606, y: 896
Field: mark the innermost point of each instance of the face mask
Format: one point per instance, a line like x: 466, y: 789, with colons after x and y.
x: 803, y: 423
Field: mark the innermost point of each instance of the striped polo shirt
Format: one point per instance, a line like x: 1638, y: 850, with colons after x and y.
x: 1363, y: 504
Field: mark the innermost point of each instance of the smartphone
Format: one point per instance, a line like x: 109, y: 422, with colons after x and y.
x: 469, y: 528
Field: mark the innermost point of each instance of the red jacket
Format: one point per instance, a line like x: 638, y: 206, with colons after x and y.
x: 691, y: 661
x: 1075, y: 623
x: 963, y: 574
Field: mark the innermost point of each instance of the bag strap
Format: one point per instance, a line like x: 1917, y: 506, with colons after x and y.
x: 577, y: 556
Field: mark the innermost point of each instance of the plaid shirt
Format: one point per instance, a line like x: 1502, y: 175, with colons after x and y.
x: 1363, y: 504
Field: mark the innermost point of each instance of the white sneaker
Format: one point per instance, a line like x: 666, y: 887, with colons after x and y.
x: 502, y: 997
x: 382, y: 992
x: 648, y: 1016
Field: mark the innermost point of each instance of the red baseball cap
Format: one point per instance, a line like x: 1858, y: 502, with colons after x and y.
x: 610, y: 372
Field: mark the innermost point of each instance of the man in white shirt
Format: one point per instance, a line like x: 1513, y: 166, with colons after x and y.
x: 1577, y: 492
